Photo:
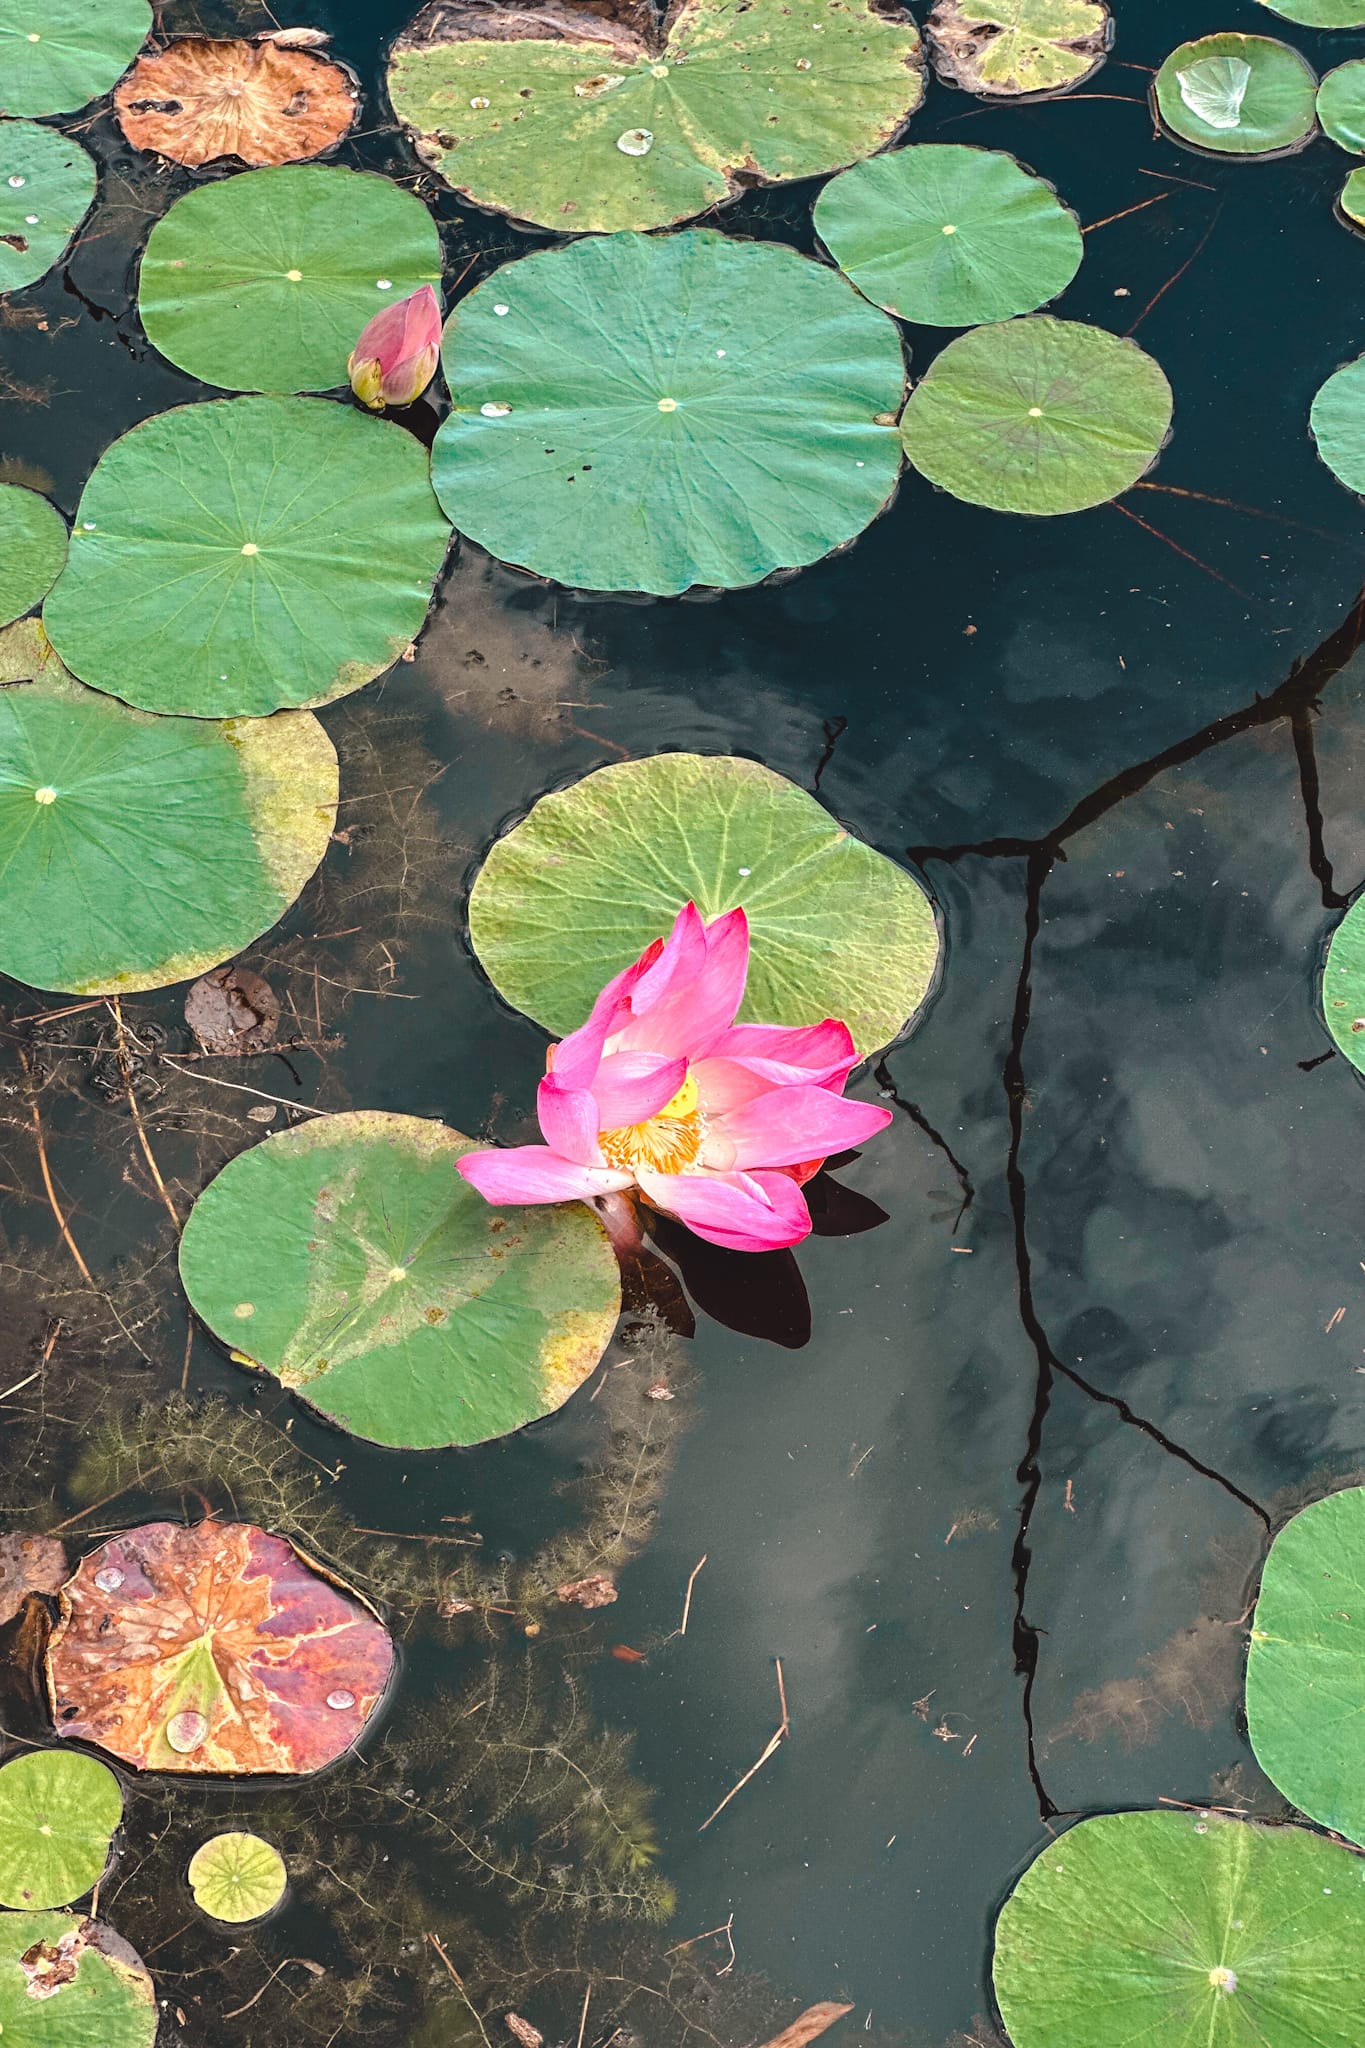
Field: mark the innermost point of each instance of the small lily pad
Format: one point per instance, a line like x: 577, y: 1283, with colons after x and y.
x: 350, y: 1259
x: 1320, y: 13
x: 1018, y: 49
x: 204, y: 98
x: 1238, y: 95
x: 213, y: 1648
x: 138, y: 851
x: 1038, y: 415
x: 746, y: 425
x: 236, y: 1877
x: 1142, y: 1928
x: 592, y: 874
x: 949, y: 236
x: 1343, y: 975
x: 233, y: 557
x: 263, y: 281
x: 1351, y: 199
x: 58, y: 1813
x: 580, y: 124
x: 68, y: 1982
x: 32, y: 550
x: 1341, y: 105
x: 57, y: 55
x: 1306, y: 1664
x: 1337, y: 419
x: 47, y: 184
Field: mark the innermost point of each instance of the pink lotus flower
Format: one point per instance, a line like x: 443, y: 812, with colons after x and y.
x: 396, y: 356
x: 714, y: 1122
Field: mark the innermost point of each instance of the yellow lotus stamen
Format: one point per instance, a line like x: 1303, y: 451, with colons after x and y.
x: 668, y: 1142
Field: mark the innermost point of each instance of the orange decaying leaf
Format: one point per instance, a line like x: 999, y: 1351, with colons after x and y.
x: 213, y: 1648
x: 201, y: 99
x: 814, y: 2021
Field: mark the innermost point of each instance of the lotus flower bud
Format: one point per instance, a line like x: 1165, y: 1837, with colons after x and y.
x: 396, y: 356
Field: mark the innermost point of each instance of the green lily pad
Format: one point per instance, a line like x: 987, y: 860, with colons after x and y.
x: 66, y: 1982
x: 1180, y: 1928
x: 1337, y: 419
x: 57, y: 55
x: 233, y: 557
x: 1038, y: 415
x: 32, y: 549
x: 263, y: 282
x: 1018, y: 48
x: 1238, y: 95
x: 949, y: 236
x: 237, y: 1877
x: 579, y: 888
x: 58, y: 1813
x: 47, y: 184
x: 1306, y: 1664
x: 581, y: 125
x: 1343, y: 975
x: 350, y: 1259
x: 1341, y: 105
x: 746, y: 425
x: 1351, y: 199
x: 1320, y: 13
x: 139, y: 851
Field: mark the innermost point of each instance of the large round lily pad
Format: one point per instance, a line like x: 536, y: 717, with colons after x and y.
x: 213, y: 1648
x: 1341, y: 105
x: 1337, y: 419
x: 1179, y: 1928
x: 642, y: 413
x: 68, y: 1982
x: 233, y: 557
x: 592, y: 874
x: 1018, y: 49
x: 1306, y: 1664
x: 32, y: 549
x: 263, y: 282
x: 237, y: 1877
x: 949, y: 236
x: 1343, y: 975
x: 47, y: 182
x: 1038, y: 415
x: 349, y: 1258
x: 1238, y: 95
x: 138, y: 851
x: 1320, y: 13
x: 56, y: 55
x: 201, y: 99
x: 58, y: 1813
x: 577, y: 123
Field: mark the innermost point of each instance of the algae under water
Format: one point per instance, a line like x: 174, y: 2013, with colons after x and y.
x: 990, y: 1461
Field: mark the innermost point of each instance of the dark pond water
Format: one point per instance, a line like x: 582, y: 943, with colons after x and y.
x: 988, y: 1465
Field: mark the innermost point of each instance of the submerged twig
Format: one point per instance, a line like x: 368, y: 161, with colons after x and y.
x: 56, y: 1206
x: 783, y: 1731
x: 116, y: 1010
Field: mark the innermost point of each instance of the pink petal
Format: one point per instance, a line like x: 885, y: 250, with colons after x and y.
x: 569, y: 1121
x: 533, y: 1173
x: 788, y: 1126
x: 682, y: 958
x: 697, y: 1011
x: 631, y: 1086
x: 574, y: 1060
x: 822, y: 1053
x: 746, y: 1212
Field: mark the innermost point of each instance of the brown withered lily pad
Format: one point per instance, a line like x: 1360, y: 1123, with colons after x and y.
x: 213, y: 1648
x: 1018, y: 49
x: 29, y: 1564
x: 264, y: 102
x: 232, y: 1010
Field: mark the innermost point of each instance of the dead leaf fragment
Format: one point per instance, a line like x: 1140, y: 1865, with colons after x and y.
x: 264, y: 103
x: 814, y: 2021
x: 295, y: 38
x: 232, y: 1010
x: 29, y: 1564
x: 594, y: 1591
x: 522, y: 2030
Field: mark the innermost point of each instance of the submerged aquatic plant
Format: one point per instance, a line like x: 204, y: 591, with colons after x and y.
x: 396, y: 356
x: 714, y: 1122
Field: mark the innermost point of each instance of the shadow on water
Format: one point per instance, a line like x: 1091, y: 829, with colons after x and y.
x: 989, y: 1462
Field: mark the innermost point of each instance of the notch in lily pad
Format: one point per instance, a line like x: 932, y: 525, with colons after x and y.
x: 1019, y: 49
x: 58, y: 1814
x: 1237, y: 95
x: 592, y: 874
x: 582, y: 125
x: 350, y: 1259
x: 214, y: 1648
x: 237, y: 1877
x: 1138, y: 1928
